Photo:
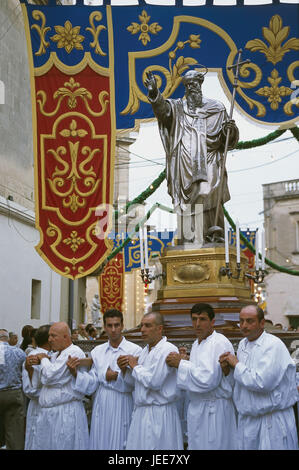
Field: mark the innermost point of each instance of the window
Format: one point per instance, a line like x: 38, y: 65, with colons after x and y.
x: 36, y: 287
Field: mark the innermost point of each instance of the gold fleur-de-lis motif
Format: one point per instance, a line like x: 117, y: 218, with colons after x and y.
x: 144, y: 28
x: 274, y: 35
x: 274, y: 92
x: 68, y: 37
x: 74, y: 241
x: 41, y: 30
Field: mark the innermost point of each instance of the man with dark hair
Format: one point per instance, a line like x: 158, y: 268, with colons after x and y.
x: 32, y: 385
x: 155, y: 421
x: 11, y: 397
x: 211, y: 416
x: 113, y: 401
x: 264, y: 379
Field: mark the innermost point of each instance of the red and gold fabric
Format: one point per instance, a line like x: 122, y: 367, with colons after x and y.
x: 111, y: 284
x: 74, y: 139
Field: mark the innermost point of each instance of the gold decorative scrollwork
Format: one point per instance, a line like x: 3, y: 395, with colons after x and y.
x: 73, y: 94
x: 173, y: 75
x: 293, y: 101
x: 41, y: 30
x: 73, y: 197
x: 95, y: 31
x: 144, y: 28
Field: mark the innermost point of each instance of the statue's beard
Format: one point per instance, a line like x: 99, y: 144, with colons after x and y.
x: 194, y: 99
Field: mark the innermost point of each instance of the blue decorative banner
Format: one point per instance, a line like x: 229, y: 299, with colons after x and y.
x: 169, y: 40
x: 157, y: 242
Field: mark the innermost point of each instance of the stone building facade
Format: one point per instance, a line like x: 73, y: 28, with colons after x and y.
x: 281, y: 211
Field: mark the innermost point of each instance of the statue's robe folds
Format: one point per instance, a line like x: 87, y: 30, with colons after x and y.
x: 194, y: 144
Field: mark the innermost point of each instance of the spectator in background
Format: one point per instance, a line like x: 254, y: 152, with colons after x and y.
x: 13, y: 338
x: 11, y: 397
x: 32, y: 345
x: 75, y: 335
x: 82, y: 332
x: 91, y: 331
x: 27, y: 336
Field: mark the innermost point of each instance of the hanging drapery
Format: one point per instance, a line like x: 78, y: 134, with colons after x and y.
x: 74, y: 135
x: 88, y: 65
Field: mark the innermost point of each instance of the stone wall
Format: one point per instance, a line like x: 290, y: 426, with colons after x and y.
x: 16, y: 150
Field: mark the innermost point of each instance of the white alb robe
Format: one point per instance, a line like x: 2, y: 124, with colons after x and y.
x: 62, y: 421
x: 113, y: 401
x: 32, y: 389
x: 155, y: 422
x: 264, y: 394
x: 211, y: 415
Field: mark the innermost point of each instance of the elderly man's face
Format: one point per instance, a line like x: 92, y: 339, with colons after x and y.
x: 192, y: 85
x: 57, y: 338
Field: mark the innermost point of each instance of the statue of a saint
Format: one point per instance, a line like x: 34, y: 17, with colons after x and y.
x: 193, y: 132
x: 96, y: 311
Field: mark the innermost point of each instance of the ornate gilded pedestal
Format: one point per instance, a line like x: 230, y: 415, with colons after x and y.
x: 194, y: 275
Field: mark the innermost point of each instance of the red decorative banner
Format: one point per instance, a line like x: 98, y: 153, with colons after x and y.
x: 73, y: 169
x: 111, y: 284
x: 72, y: 84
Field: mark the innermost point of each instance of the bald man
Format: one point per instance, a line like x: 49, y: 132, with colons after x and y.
x: 62, y: 422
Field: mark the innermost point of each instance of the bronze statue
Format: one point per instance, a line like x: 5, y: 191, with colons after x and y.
x: 193, y: 132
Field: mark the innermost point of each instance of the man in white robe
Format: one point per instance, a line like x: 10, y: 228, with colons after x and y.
x: 264, y: 377
x: 62, y: 421
x: 113, y: 401
x: 155, y: 422
x: 32, y: 385
x: 211, y: 415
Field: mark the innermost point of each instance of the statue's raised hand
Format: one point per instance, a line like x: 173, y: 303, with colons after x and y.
x: 151, y: 84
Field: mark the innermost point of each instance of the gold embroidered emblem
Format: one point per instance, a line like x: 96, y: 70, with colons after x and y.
x: 144, y: 28
x: 72, y: 94
x: 74, y: 241
x: 274, y: 35
x: 70, y: 175
x: 68, y: 37
x: 274, y: 92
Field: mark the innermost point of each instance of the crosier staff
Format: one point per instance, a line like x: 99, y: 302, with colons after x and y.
x: 235, y: 85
